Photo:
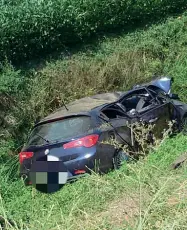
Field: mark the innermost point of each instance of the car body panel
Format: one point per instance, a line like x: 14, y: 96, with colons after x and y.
x: 158, y: 116
x: 181, y: 107
x: 163, y: 83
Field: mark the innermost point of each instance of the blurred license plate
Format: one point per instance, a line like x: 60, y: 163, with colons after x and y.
x: 52, y: 158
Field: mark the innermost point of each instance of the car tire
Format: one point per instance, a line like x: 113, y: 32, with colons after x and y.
x: 183, y: 125
x: 119, y: 158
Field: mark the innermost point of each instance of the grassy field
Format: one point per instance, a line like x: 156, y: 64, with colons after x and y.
x: 29, y: 28
x: 143, y: 195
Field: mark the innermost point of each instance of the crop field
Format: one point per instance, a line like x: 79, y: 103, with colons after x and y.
x: 143, y: 195
x: 29, y: 28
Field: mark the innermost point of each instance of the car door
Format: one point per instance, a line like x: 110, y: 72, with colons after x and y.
x: 158, y: 116
x: 118, y: 130
x: 120, y: 122
x: 122, y: 130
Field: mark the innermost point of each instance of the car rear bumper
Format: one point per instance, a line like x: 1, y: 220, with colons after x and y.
x: 71, y: 178
x: 75, y: 169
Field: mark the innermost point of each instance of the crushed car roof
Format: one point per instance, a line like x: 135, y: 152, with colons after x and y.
x: 84, y: 105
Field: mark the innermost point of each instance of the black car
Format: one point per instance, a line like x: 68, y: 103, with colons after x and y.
x: 76, y: 134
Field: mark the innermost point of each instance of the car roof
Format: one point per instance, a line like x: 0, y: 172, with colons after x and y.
x: 83, y: 106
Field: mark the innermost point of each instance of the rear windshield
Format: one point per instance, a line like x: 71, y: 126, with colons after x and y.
x: 60, y: 130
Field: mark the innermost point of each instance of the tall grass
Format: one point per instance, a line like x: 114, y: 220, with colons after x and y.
x: 147, y: 190
x: 30, y: 28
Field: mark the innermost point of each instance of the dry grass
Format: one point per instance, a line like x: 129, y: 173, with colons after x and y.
x: 123, y: 211
x: 78, y: 78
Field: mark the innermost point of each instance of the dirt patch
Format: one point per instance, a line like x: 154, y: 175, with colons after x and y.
x: 121, y: 212
x: 179, y: 196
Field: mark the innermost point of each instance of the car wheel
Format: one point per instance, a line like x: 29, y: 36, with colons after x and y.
x: 120, y: 158
x: 184, y: 125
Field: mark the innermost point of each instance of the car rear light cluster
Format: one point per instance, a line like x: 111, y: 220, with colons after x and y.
x: 87, y: 142
x: 80, y: 171
x: 25, y: 155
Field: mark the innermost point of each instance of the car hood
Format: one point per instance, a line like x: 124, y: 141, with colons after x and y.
x: 163, y: 83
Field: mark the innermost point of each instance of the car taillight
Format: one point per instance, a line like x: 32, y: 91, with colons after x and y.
x: 77, y: 172
x: 87, y: 142
x: 25, y: 155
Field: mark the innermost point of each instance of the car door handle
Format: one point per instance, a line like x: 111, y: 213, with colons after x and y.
x: 153, y: 120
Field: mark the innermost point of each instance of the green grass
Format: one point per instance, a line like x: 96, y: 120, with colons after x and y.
x: 113, y: 64
x: 32, y: 28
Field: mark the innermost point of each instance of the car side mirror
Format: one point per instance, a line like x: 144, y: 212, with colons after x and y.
x: 174, y: 96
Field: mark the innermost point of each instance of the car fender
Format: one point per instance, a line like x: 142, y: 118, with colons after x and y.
x: 181, y: 108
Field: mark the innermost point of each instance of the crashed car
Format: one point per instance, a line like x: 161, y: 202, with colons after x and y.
x: 76, y: 134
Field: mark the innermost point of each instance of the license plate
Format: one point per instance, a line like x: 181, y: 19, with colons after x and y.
x: 52, y: 158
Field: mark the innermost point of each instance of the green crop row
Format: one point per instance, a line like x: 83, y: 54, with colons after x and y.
x: 30, y: 28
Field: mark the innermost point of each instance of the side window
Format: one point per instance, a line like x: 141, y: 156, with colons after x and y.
x: 138, y: 100
x: 113, y: 112
x: 157, y: 92
x: 155, y: 89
